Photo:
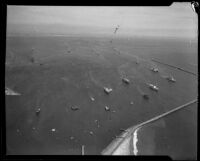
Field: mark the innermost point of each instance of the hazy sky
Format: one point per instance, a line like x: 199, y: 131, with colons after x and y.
x: 178, y: 20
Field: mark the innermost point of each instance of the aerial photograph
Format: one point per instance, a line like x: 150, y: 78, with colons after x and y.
x: 102, y: 80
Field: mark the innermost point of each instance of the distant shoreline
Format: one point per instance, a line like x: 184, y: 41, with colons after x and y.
x: 102, y: 36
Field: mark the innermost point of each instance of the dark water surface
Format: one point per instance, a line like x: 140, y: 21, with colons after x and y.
x: 174, y: 135
x: 68, y: 71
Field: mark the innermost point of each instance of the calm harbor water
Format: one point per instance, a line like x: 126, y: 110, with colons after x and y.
x: 68, y: 71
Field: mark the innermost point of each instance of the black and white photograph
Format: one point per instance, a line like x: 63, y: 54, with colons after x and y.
x: 102, y: 80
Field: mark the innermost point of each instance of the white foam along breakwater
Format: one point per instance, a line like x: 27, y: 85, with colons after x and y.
x: 135, y: 140
x: 132, y: 131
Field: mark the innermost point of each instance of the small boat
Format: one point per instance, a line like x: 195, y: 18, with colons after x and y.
x: 153, y: 87
x: 107, y: 90
x: 125, y: 80
x: 53, y: 130
x: 74, y: 108
x: 92, y: 98
x: 154, y: 70
x: 171, y: 79
x: 91, y: 133
x: 107, y: 108
x: 38, y: 111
